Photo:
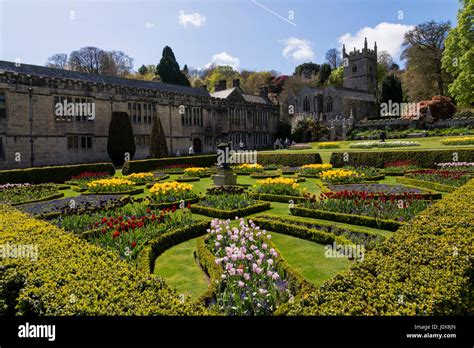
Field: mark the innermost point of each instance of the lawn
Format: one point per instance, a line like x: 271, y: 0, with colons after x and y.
x: 181, y: 271
x: 314, y: 266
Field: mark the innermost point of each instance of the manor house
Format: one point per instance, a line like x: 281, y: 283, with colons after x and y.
x: 356, y: 96
x: 32, y: 133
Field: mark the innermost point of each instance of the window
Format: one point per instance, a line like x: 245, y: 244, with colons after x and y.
x: 306, y: 106
x: 75, y: 142
x: 3, y: 106
x: 140, y: 113
x: 329, y: 105
x: 142, y: 141
x: 208, y: 141
x: 354, y: 69
x: 192, y: 116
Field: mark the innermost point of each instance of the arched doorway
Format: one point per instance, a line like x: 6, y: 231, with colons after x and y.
x: 197, y: 145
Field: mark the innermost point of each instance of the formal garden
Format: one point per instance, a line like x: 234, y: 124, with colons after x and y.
x: 333, y: 229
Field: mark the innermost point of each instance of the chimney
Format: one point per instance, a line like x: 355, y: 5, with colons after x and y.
x: 204, y: 87
x: 223, y: 85
x: 236, y: 83
x: 264, y: 92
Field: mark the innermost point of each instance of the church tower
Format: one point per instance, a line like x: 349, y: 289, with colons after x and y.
x: 360, y: 68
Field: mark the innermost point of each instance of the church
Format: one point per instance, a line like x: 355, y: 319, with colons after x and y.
x: 355, y: 99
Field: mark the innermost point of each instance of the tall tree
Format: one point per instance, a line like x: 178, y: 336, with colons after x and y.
x: 168, y: 69
x: 458, y: 57
x: 120, y: 142
x: 143, y: 70
x: 255, y: 80
x: 324, y: 74
x: 58, y: 60
x: 333, y: 58
x: 307, y: 70
x: 337, y: 76
x: 391, y: 90
x: 423, y: 49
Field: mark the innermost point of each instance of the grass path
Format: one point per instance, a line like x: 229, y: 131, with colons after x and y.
x: 314, y: 266
x: 181, y: 271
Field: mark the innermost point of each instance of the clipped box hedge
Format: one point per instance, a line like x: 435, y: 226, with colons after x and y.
x: 148, y: 165
x: 289, y: 159
x: 317, y: 231
x: 422, y: 158
x: 425, y: 184
x: 278, y: 198
x: 74, y: 277
x: 389, y: 225
x: 58, y: 174
x: 160, y: 244
x: 424, y: 269
x: 229, y: 214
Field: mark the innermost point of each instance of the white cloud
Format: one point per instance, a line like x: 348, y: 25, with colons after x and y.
x: 149, y: 25
x: 223, y: 58
x: 389, y: 37
x: 194, y: 19
x: 297, y: 49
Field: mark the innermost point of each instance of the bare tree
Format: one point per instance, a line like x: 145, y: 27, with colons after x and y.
x: 97, y: 61
x: 333, y: 57
x: 58, y: 60
x: 385, y: 59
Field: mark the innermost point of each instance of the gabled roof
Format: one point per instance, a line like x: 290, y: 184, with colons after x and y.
x: 250, y: 98
x: 37, y: 70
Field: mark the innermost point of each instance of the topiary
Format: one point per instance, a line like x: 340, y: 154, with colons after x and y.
x: 120, y: 142
x: 158, y: 146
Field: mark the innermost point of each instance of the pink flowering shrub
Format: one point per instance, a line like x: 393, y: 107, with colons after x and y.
x: 251, y: 284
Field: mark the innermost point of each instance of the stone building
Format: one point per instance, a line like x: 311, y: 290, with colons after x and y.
x: 356, y: 97
x: 32, y: 134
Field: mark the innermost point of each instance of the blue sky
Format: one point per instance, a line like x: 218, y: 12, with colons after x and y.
x: 236, y: 32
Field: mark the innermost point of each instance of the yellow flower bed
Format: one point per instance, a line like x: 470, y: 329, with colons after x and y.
x: 250, y: 166
x: 458, y: 141
x: 279, y: 186
x: 317, y: 166
x: 341, y: 176
x: 328, y: 145
x: 140, y: 177
x: 171, y: 191
x: 110, y: 185
x: 314, y: 169
x: 195, y: 171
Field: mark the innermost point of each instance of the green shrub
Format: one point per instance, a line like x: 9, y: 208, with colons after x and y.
x: 229, y: 214
x: 464, y: 114
x: 120, y: 140
x: 158, y: 146
x: 424, y: 269
x: 58, y: 174
x: 389, y: 225
x: 72, y: 277
x: 424, y: 159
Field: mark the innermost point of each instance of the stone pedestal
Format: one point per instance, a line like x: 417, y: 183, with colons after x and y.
x: 224, y: 177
